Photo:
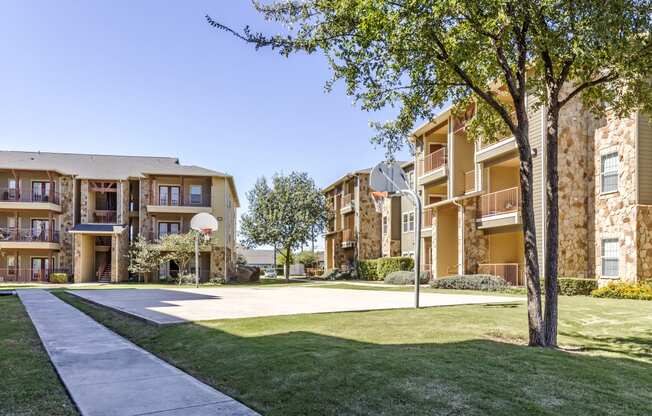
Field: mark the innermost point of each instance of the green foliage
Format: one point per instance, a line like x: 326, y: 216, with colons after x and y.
x: 307, y: 258
x: 624, y: 290
x: 377, y: 269
x: 336, y: 274
x: 405, y: 278
x: 58, y: 278
x: 570, y: 286
x: 143, y: 256
x: 180, y: 248
x: 470, y: 282
x: 281, y: 259
x: 240, y: 260
x: 287, y: 214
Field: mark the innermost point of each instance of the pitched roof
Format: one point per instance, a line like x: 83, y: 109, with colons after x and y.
x: 366, y: 171
x: 89, y: 166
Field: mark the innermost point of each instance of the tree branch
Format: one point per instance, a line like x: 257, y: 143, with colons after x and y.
x: 585, y: 85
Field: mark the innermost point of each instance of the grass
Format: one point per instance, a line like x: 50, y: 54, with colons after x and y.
x: 462, y: 360
x: 29, y: 383
x: 410, y: 288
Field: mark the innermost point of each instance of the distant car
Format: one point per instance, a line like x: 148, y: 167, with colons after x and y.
x: 270, y: 273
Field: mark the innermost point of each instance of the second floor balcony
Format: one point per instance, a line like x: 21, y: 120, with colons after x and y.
x: 433, y: 166
x: 348, y: 237
x: 22, y: 236
x: 347, y: 203
x: 189, y: 199
x: 105, y: 216
x: 500, y: 208
x: 31, y: 196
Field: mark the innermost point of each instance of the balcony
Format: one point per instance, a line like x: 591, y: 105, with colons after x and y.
x: 511, y: 272
x: 469, y: 182
x: 500, y: 208
x: 13, y: 198
x: 502, y: 144
x: 348, y: 238
x: 427, y: 217
x: 105, y: 216
x: 433, y: 166
x: 19, y: 238
x: 25, y: 275
x: 347, y: 203
x: 173, y: 204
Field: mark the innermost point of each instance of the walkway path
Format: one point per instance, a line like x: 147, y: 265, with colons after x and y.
x: 108, y: 375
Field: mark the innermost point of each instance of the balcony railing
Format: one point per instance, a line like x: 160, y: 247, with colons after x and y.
x: 11, y: 274
x: 434, y: 160
x: 347, y: 235
x: 469, y: 181
x: 15, y: 195
x: 511, y: 272
x: 29, y: 235
x: 182, y: 202
x: 347, y: 199
x: 105, y: 216
x: 427, y: 217
x: 501, y: 202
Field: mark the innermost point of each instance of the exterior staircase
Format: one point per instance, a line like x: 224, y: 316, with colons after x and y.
x: 104, y: 273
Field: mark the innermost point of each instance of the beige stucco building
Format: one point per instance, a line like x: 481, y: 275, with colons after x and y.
x: 79, y: 213
x: 472, y: 206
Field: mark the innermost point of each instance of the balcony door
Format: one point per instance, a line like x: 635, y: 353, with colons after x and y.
x: 165, y: 228
x: 40, y: 268
x: 40, y: 191
x: 169, y: 195
x: 40, y: 229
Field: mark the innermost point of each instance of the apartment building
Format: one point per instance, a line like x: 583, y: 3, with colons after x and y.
x: 472, y: 204
x: 354, y: 233
x: 79, y: 213
x: 398, y: 221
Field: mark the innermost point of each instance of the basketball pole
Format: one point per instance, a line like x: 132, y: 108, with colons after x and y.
x: 197, y: 260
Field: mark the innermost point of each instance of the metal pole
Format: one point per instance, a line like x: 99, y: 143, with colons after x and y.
x: 197, y: 260
x: 417, y: 242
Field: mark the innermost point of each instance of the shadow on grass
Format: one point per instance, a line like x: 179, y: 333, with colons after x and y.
x: 303, y: 372
x: 634, y: 346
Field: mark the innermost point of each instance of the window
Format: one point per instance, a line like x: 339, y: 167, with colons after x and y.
x: 11, y: 264
x: 40, y: 191
x: 610, y: 257
x: 405, y: 222
x: 195, y: 194
x: 609, y: 172
x: 165, y: 228
x: 168, y: 195
x: 411, y: 221
x: 385, y: 226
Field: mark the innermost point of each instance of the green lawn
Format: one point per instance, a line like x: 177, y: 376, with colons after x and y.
x: 463, y: 360
x: 29, y: 384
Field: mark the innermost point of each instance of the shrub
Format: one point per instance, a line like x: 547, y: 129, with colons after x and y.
x: 377, y: 269
x: 570, y: 286
x: 470, y: 282
x: 404, y: 278
x: 336, y: 274
x: 624, y: 290
x: 58, y: 278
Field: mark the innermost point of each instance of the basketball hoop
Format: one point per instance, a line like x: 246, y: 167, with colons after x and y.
x: 379, y: 200
x: 205, y: 224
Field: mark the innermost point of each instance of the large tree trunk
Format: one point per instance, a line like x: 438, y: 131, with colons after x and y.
x: 532, y: 274
x: 552, y: 224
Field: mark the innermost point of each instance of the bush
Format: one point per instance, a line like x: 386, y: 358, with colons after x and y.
x: 337, y: 274
x: 471, y: 282
x: 624, y: 290
x: 58, y: 278
x: 570, y: 286
x: 377, y: 269
x: 404, y: 278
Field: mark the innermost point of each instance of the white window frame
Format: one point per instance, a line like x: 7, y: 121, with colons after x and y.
x: 603, y: 173
x: 411, y: 221
x: 200, y: 194
x: 385, y: 225
x: 604, y: 258
x: 404, y: 222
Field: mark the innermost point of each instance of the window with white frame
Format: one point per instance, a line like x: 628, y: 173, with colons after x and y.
x: 609, y: 172
x: 195, y: 194
x: 385, y: 225
x: 405, y: 222
x: 411, y: 221
x: 610, y: 257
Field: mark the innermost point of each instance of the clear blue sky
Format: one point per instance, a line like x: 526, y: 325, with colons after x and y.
x: 152, y: 78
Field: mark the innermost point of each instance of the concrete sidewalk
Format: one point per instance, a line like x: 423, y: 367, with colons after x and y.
x: 107, y: 375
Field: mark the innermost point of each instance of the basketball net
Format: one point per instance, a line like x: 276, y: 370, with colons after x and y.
x: 206, y: 232
x: 379, y: 200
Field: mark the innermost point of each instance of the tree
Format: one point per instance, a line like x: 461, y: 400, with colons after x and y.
x: 281, y: 259
x: 419, y: 55
x: 181, y: 249
x: 144, y: 257
x: 284, y: 215
x: 307, y: 258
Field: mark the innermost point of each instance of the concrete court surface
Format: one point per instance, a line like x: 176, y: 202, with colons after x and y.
x: 106, y: 375
x: 173, y: 306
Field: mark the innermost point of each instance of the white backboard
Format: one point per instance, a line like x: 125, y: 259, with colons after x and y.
x: 388, y: 177
x: 204, y: 221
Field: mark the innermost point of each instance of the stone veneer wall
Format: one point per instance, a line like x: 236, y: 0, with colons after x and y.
x: 120, y: 249
x: 390, y: 247
x: 615, y: 213
x: 123, y: 202
x: 644, y: 242
x: 218, y: 263
x: 84, y: 215
x: 576, y: 177
x: 67, y: 222
x: 144, y: 220
x: 474, y: 241
x: 369, y: 222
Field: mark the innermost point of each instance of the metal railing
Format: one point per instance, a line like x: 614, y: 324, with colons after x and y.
x: 347, y: 235
x: 511, y: 272
x: 29, y: 234
x: 427, y: 217
x: 469, y: 181
x: 501, y: 202
x: 105, y: 216
x: 347, y: 199
x: 434, y: 160
x: 13, y: 274
x: 183, y: 202
x: 16, y: 195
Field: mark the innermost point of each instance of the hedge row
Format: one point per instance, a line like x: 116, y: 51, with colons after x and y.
x: 571, y: 286
x: 405, y: 278
x: 624, y: 290
x: 58, y: 278
x: 470, y: 282
x: 377, y: 269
